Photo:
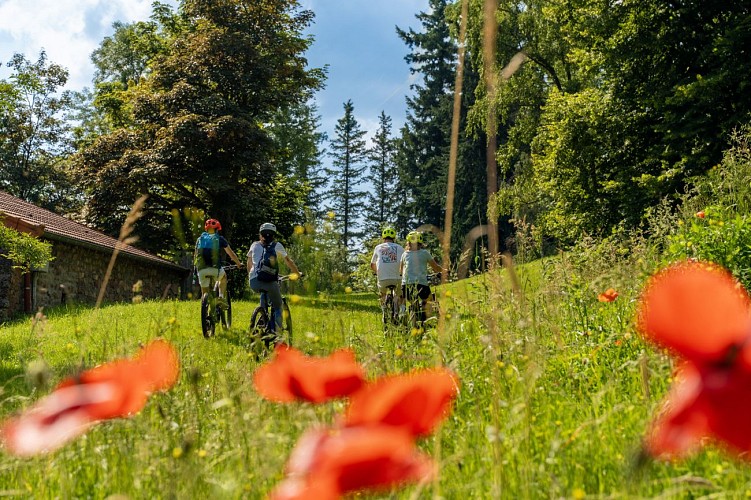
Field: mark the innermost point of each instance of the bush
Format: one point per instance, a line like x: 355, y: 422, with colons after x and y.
x: 716, y: 223
x: 318, y: 252
x: 719, y: 235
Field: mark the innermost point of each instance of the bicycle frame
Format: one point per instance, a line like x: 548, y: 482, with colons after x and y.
x: 210, y: 313
x: 263, y: 321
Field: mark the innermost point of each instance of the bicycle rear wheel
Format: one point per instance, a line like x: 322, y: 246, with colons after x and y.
x: 208, y: 319
x: 387, y: 309
x: 285, y: 336
x: 225, y: 316
x: 259, y: 330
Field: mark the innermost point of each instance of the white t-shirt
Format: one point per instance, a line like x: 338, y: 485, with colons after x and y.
x: 386, y: 257
x: 256, y: 253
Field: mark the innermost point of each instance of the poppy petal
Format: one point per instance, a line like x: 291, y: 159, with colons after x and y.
x: 353, y: 459
x: 292, y: 376
x: 416, y: 401
x: 697, y: 309
x: 684, y: 419
x: 55, y: 420
x: 116, y: 389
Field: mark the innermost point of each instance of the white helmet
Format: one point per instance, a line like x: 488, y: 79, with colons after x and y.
x: 267, y: 226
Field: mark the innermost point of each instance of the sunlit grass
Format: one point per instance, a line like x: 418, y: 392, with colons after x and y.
x: 557, y: 389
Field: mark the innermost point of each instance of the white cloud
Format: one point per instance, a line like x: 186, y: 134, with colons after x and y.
x: 68, y: 30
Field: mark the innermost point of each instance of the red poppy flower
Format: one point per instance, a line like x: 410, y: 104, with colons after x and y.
x: 698, y: 309
x: 328, y: 463
x: 116, y: 389
x: 293, y: 376
x: 705, y: 401
x: 416, y: 401
x: 701, y: 214
x: 608, y: 295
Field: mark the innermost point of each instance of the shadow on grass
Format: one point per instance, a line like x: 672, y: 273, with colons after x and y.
x: 369, y: 304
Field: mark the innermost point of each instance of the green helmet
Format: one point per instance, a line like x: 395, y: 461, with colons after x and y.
x: 388, y: 232
x: 414, y: 237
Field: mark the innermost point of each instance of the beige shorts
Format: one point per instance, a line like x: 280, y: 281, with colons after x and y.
x: 205, y: 275
x: 383, y: 286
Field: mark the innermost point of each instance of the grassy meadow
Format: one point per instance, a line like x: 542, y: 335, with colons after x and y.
x: 557, y: 390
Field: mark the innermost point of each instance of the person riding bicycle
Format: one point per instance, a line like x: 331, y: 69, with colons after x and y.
x: 414, y: 270
x: 207, y: 258
x: 263, y: 268
x: 385, y: 265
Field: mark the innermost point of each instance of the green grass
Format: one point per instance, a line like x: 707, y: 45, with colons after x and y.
x: 557, y: 390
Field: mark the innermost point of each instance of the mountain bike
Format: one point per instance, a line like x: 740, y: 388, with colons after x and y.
x: 417, y: 308
x: 263, y: 332
x: 390, y: 307
x: 211, y: 313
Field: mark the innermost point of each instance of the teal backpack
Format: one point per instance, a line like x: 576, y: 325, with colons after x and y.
x: 207, y: 251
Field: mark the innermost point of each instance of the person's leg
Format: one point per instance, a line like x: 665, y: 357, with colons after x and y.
x: 424, y: 294
x: 222, y: 278
x: 275, y: 296
x: 204, y: 278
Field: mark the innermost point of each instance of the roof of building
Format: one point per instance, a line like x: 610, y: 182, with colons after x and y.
x: 57, y: 227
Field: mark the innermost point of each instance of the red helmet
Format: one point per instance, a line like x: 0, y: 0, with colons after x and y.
x: 212, y: 223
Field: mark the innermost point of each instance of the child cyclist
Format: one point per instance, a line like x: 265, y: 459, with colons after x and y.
x: 207, y: 259
x: 385, y: 264
x: 263, y: 268
x: 414, y: 270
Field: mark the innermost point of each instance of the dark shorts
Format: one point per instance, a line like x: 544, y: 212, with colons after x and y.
x: 410, y: 291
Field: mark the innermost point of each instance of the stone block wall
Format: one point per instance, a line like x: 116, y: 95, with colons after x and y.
x: 11, y: 289
x: 76, y: 273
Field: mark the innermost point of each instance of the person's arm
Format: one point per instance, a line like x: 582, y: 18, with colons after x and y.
x: 373, y: 268
x: 233, y: 256
x: 435, y: 266
x: 291, y: 264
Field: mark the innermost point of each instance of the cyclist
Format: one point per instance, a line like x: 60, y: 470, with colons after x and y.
x: 385, y: 265
x: 207, y: 258
x: 414, y: 270
x: 263, y: 267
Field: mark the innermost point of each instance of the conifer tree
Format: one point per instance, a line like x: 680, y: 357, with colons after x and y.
x: 349, y: 155
x: 381, y: 201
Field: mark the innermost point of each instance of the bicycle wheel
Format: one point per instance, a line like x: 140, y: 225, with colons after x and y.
x: 387, y: 309
x: 285, y: 336
x: 259, y: 326
x: 225, y: 316
x: 208, y: 320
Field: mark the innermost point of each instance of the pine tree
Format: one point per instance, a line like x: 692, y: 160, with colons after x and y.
x: 349, y: 154
x: 299, y: 148
x: 381, y: 202
x: 423, y: 148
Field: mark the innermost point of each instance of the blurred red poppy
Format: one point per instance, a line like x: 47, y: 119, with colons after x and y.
x: 608, y: 295
x: 116, y: 389
x: 701, y: 214
x: 697, y: 309
x: 704, y: 402
x: 292, y: 376
x: 416, y: 401
x: 328, y: 463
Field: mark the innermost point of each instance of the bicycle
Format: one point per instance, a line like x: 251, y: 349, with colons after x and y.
x: 211, y: 314
x: 416, y: 308
x: 262, y: 322
x: 390, y: 307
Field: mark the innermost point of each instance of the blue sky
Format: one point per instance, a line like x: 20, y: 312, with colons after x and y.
x: 356, y: 38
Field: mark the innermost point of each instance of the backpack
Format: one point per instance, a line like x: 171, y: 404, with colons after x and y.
x: 268, y: 267
x: 207, y: 251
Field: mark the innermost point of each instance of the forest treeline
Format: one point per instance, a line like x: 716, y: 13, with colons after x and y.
x: 615, y: 107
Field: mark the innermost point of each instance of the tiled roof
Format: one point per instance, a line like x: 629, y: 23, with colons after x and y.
x: 57, y: 227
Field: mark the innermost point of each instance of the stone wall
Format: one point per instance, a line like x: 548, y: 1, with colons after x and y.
x: 11, y: 289
x: 76, y: 273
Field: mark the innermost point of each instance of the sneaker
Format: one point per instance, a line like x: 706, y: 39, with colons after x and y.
x: 222, y: 303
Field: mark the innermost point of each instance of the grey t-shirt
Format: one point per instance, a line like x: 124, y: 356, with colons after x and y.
x: 415, y: 266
